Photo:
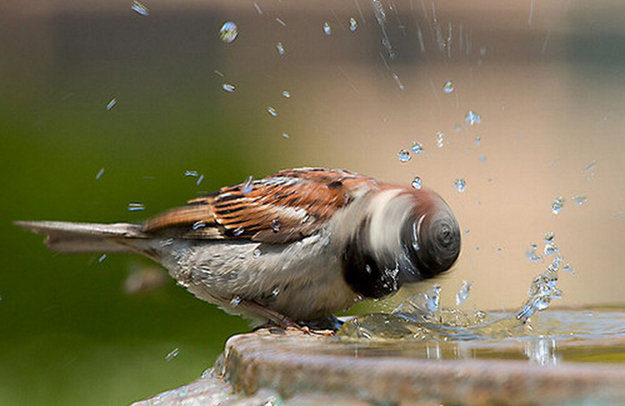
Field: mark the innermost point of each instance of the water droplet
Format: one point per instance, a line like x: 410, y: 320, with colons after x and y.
x: 478, y: 140
x: 417, y: 148
x: 135, y: 206
x: 199, y: 180
x: 275, y: 291
x: 568, y: 268
x: 353, y: 24
x: 557, y: 205
x: 191, y: 173
x: 247, y: 186
x: 460, y: 184
x: 235, y: 301
x: 327, y: 29
x: 448, y: 87
x: 433, y: 298
x: 256, y: 253
x: 473, y: 118
x: 272, y: 111
x: 100, y: 173
x: 280, y: 48
x: 280, y: 21
x: 111, y: 104
x: 440, y: 139
x: 416, y: 183
x: 285, y: 135
x: 398, y: 81
x: 551, y: 248
x: 229, y: 32
x: 167, y: 242
x: 404, y: 155
x: 579, y: 199
x: 590, y: 167
x: 238, y: 231
x: 228, y: 87
x: 275, y: 225
x: 482, y: 158
x: 173, y: 354
x: 139, y: 8
x: 463, y: 293
x: 532, y: 255
x: 286, y: 94
x: 198, y: 224
x: 102, y: 258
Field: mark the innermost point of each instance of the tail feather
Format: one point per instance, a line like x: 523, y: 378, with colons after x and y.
x: 70, y: 237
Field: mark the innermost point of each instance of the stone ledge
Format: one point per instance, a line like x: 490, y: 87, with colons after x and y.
x: 296, y: 369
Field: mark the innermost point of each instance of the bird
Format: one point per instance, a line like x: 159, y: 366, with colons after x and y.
x: 290, y: 249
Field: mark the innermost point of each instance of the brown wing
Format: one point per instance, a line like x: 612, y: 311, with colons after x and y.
x: 280, y: 208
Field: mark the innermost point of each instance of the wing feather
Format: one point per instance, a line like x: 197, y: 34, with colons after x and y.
x: 284, y: 207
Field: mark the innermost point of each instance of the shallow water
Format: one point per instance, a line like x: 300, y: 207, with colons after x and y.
x: 547, y: 338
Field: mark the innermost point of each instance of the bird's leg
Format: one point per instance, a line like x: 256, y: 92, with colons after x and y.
x: 272, y: 316
x: 323, y: 323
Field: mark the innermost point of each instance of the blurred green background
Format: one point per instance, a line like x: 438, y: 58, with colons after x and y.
x: 546, y: 78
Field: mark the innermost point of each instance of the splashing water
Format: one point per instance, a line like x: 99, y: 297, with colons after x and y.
x: 353, y: 24
x: 416, y: 183
x: 135, y: 206
x: 275, y: 225
x: 247, y: 186
x: 550, y: 248
x: 139, y: 8
x: 473, y: 118
x: 327, y: 28
x: 398, y: 81
x: 541, y: 292
x: 463, y: 293
x: 532, y: 255
x: 557, y: 205
x: 579, y: 199
x: 403, y: 155
x: 228, y: 87
x: 460, y: 184
x: 420, y: 318
x: 440, y: 139
x: 380, y: 16
x: 198, y: 224
x: 426, y: 303
x: 111, y: 104
x: 172, y: 354
x: 228, y: 32
x: 417, y: 148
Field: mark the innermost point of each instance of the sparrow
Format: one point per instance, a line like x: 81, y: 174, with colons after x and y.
x: 289, y: 249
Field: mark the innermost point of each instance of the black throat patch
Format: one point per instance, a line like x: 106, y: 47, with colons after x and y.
x: 363, y: 273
